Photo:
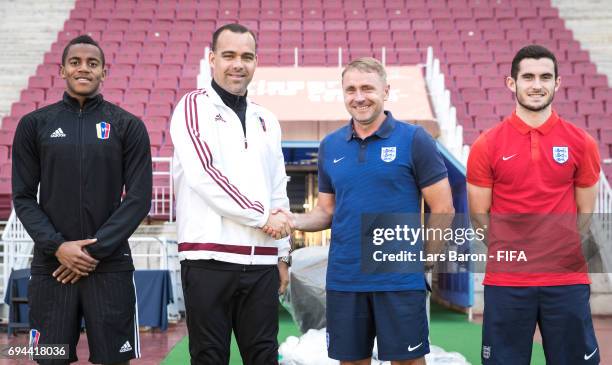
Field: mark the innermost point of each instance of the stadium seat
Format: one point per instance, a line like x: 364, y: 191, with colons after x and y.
x: 579, y: 93
x: 6, y: 137
x: 163, y: 96
x: 116, y: 81
x: 32, y: 95
x: 158, y: 110
x: 606, y: 136
x: 466, y: 82
x: 470, y: 135
x: 135, y: 108
x: 53, y: 95
x: 4, y: 153
x: 493, y: 81
x: 21, y: 108
x: 565, y: 108
x: 9, y: 123
x: 133, y: 96
x: 504, y: 109
x: 595, y: 80
x: 499, y: 94
x: 141, y: 83
x: 472, y: 94
x: 589, y: 106
x: 594, y: 121
x: 113, y: 95
x: 120, y: 70
x: 480, y: 108
x: 602, y: 93
x: 485, y: 122
x: 42, y: 82
x: 155, y: 138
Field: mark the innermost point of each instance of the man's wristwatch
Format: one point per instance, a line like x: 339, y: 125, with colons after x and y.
x: 286, y: 259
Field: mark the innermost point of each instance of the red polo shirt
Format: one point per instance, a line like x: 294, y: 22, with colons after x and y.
x: 534, y: 171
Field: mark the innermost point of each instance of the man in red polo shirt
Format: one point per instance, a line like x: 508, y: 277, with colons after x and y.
x: 532, y: 175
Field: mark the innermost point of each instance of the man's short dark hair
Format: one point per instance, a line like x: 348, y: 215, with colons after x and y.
x: 234, y: 28
x: 532, y: 51
x: 82, y: 39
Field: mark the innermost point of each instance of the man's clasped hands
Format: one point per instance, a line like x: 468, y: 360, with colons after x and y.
x: 280, y: 223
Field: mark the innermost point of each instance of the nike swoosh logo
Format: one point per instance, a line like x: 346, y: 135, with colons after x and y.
x: 338, y: 160
x: 410, y: 349
x: 586, y: 357
x: 509, y: 157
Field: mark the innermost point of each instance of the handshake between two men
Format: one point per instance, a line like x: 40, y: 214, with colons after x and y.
x: 280, y: 223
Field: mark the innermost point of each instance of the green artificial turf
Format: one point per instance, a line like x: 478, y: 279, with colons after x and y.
x: 449, y: 330
x: 180, y: 352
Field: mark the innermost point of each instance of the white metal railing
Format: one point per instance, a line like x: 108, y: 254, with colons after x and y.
x: 602, y: 224
x: 446, y: 114
x: 18, y: 245
x: 604, y: 195
x: 149, y: 253
x: 162, y: 199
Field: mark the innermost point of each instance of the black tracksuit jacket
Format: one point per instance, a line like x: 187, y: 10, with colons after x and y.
x: 82, y: 177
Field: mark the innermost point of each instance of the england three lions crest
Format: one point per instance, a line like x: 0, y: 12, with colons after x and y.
x: 560, y: 154
x: 387, y: 154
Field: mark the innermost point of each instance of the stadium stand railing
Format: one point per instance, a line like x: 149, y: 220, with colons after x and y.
x: 602, y: 231
x: 446, y: 114
x: 162, y: 202
x: 18, y: 245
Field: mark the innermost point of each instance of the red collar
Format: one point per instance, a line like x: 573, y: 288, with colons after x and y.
x: 524, y: 128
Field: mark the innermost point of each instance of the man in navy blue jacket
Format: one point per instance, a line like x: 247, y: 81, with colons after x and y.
x: 84, y: 153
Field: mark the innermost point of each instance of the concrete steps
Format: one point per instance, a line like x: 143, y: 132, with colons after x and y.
x: 591, y: 23
x: 27, y: 30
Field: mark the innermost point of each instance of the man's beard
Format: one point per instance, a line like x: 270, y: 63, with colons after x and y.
x: 531, y: 108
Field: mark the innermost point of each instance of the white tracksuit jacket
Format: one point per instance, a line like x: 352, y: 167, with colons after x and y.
x: 226, y: 184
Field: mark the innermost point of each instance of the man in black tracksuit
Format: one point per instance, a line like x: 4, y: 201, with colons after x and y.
x: 83, y: 151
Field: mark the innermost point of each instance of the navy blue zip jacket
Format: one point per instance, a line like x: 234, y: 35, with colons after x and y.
x: 83, y: 159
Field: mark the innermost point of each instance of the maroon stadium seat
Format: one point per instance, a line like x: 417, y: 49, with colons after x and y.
x: 470, y: 135
x: 116, y: 81
x: 565, y: 108
x: 9, y: 123
x: 32, y: 95
x: 473, y: 94
x: 589, y: 106
x: 462, y: 81
x: 499, y: 94
x: 162, y: 96
x: 113, y: 95
x: 493, y: 81
x: 158, y: 110
x: 504, y: 109
x: 135, y: 108
x: 42, y: 82
x: 155, y: 137
x: 595, y: 81
x: 594, y: 121
x: 485, y: 122
x: 19, y: 109
x: 482, y: 108
x: 579, y: 93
